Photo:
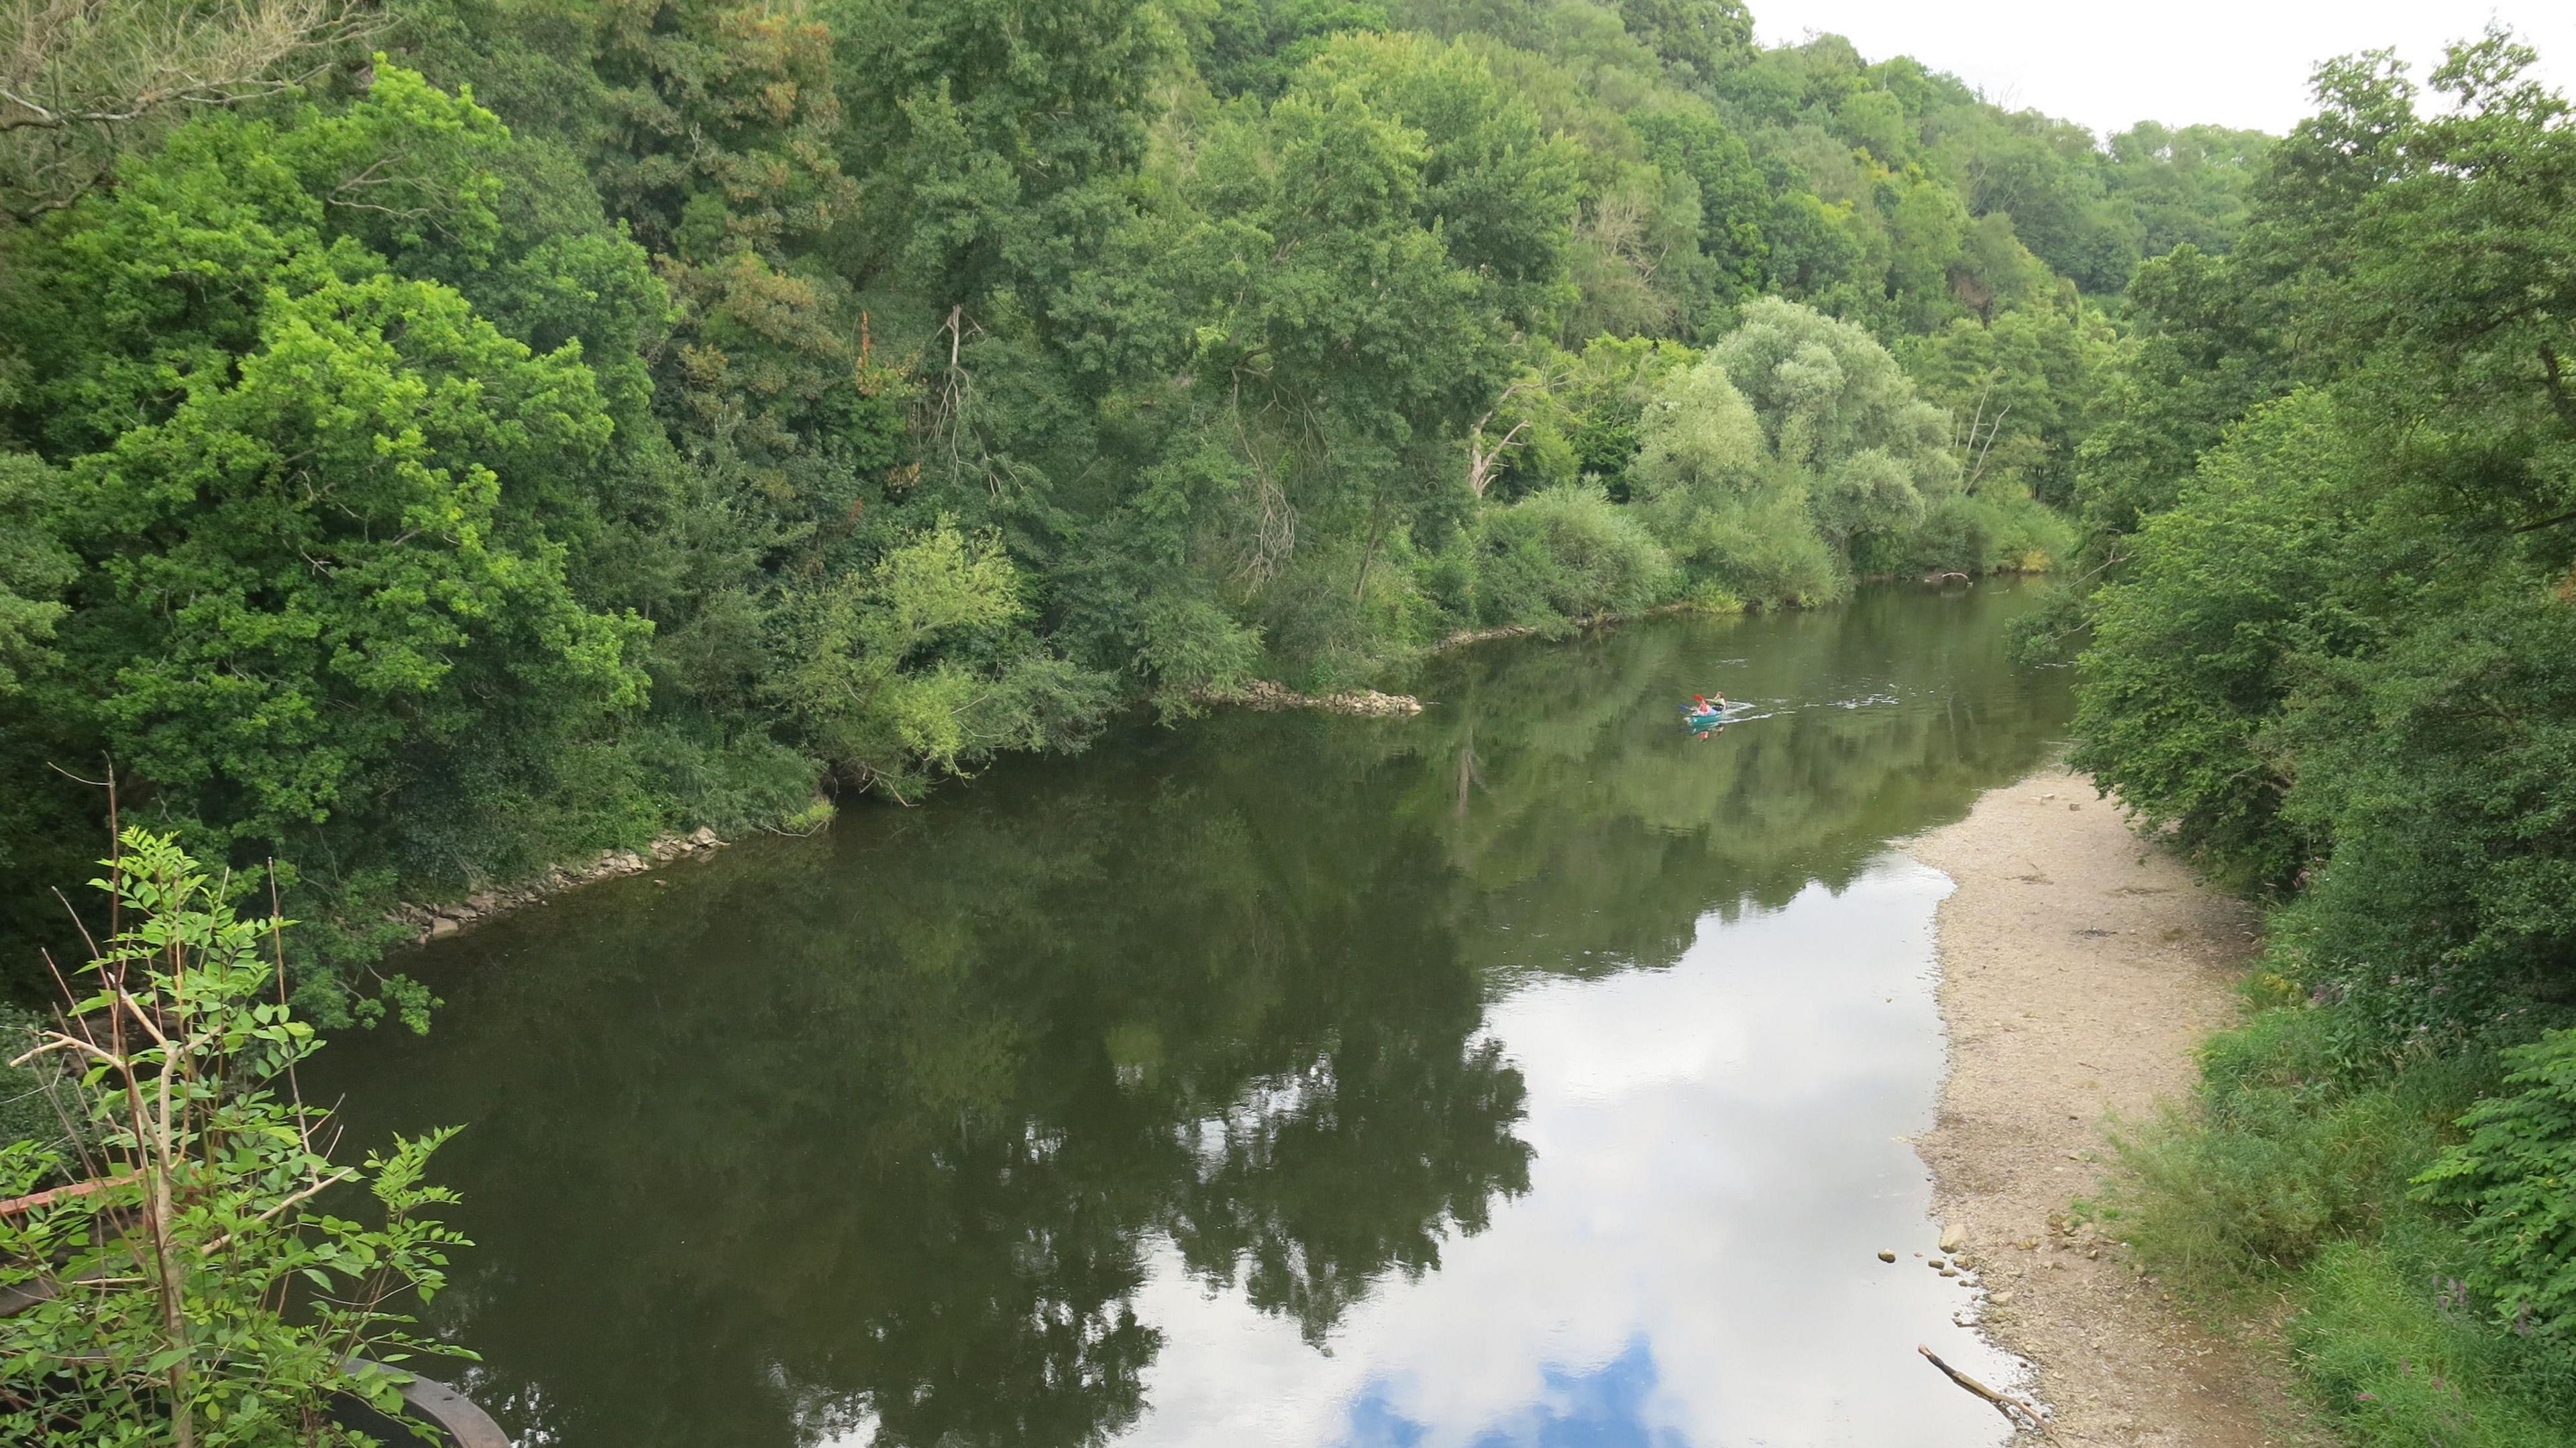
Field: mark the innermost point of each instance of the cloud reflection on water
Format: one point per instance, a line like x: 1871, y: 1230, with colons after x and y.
x: 1720, y: 1151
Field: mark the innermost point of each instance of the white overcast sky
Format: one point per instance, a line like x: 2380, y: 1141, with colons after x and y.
x: 2108, y: 66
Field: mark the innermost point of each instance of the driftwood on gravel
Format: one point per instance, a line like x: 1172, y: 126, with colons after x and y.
x: 2020, y: 1412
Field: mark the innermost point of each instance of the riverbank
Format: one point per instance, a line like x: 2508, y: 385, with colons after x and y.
x: 2080, y: 969
x: 1264, y: 696
x: 447, y: 917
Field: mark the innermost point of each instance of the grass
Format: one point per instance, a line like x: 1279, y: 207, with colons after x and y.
x: 2287, y: 1180
x: 2394, y: 1352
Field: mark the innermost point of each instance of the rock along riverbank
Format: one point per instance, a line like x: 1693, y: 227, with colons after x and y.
x: 2081, y: 966
x: 1270, y: 698
x: 435, y: 921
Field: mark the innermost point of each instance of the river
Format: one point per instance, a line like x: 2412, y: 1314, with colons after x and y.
x: 1527, y: 1072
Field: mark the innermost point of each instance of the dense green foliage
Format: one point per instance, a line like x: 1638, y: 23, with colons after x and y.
x: 482, y: 431
x: 442, y: 437
x: 2517, y: 1175
x: 2330, y: 506
x: 191, y: 1287
x: 2335, y: 654
x: 2291, y: 1180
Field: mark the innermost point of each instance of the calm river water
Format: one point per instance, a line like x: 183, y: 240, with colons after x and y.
x: 1528, y: 1072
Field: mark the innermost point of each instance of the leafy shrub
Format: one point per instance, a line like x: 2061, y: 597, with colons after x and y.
x: 26, y: 1113
x: 2395, y: 1358
x: 2278, y: 1155
x: 914, y: 669
x: 1565, y: 553
x: 2051, y: 635
x: 1971, y: 533
x: 733, y: 786
x: 2192, y: 659
x: 2437, y: 766
x: 1761, y: 549
x: 816, y: 813
x: 1191, y: 647
x: 2516, y: 1175
x: 2290, y: 1180
x: 197, y: 1293
x: 1327, y: 623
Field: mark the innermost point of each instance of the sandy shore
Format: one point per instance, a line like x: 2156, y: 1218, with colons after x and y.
x: 2080, y: 966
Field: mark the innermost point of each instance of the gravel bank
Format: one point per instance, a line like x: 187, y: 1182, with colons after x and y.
x: 2080, y: 966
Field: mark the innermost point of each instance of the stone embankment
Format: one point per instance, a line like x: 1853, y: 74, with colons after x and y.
x: 435, y: 921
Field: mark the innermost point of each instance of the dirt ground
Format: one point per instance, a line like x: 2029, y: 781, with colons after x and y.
x: 2080, y: 965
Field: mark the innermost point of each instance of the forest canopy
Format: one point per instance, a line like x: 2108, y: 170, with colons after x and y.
x: 462, y: 434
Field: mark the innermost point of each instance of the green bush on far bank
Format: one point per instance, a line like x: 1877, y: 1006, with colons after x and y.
x: 1563, y: 554
x: 1974, y: 533
x: 25, y: 1112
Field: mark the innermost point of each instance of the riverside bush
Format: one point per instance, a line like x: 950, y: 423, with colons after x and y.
x: 1972, y: 533
x: 2289, y: 1178
x: 2516, y: 1175
x: 26, y: 1113
x: 197, y: 1291
x: 1565, y: 553
x: 2276, y: 1156
x: 2395, y: 1356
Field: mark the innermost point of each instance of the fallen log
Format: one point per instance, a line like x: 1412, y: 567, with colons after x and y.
x: 2015, y: 1410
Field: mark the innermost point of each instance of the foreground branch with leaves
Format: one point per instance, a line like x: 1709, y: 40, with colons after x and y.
x: 188, y: 1285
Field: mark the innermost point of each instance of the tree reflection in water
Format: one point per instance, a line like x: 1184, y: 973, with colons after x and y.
x: 871, y: 1137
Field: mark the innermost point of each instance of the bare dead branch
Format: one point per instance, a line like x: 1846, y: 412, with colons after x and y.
x: 79, y: 77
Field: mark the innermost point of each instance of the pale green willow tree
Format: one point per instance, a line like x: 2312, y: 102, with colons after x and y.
x: 1837, y: 409
x: 1796, y: 438
x: 1709, y: 486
